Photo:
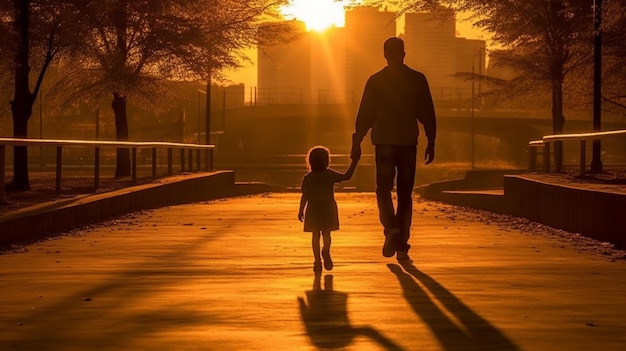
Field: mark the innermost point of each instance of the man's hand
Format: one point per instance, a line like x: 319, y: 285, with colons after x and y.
x: 429, y: 155
x: 355, y: 153
x: 300, y: 216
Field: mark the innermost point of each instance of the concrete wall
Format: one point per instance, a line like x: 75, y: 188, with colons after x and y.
x: 48, y: 219
x: 596, y: 214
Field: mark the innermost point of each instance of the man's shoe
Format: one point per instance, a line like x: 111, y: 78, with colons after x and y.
x: 391, y: 242
x: 403, y: 257
x: 328, y: 262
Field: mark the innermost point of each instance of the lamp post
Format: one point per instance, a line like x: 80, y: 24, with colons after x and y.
x: 472, y: 115
x: 477, y: 53
x: 596, y: 162
x: 207, y: 136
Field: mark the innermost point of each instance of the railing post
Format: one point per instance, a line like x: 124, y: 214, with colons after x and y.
x: 154, y: 162
x: 182, y: 160
x: 169, y: 160
x: 532, y: 163
x: 197, y: 159
x: 2, y: 174
x: 206, y: 159
x: 190, y: 167
x: 134, y: 165
x: 59, y: 167
x: 96, y: 166
x: 583, y: 160
x: 546, y: 157
x: 211, y: 159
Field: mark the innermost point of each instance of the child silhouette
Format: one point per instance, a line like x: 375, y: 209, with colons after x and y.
x: 321, y: 215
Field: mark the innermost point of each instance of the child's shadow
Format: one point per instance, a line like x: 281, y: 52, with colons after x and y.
x: 326, y: 318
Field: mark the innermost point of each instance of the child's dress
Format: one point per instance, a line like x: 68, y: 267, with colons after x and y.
x: 321, y: 209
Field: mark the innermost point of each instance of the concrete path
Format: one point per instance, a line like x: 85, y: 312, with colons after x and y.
x: 236, y: 274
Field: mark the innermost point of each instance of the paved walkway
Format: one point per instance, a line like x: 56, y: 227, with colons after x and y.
x: 235, y: 274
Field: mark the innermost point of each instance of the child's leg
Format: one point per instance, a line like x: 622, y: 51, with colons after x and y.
x: 326, y: 239
x: 315, y: 243
x: 328, y: 262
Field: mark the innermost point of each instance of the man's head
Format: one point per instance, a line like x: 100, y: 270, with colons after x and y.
x: 394, y: 50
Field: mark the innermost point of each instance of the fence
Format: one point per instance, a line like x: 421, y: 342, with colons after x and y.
x: 545, y: 142
x: 97, y: 145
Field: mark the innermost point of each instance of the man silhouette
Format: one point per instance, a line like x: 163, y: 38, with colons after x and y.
x: 394, y: 100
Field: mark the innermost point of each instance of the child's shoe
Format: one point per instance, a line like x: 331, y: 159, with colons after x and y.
x: 328, y: 262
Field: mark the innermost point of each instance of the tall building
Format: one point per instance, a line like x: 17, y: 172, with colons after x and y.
x: 328, y: 63
x: 284, y: 70
x: 367, y: 28
x: 333, y: 66
x: 430, y: 46
x: 470, y: 58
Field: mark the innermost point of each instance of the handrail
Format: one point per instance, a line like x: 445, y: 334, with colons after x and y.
x: 586, y: 136
x: 101, y: 143
x: 154, y: 145
x: 582, y: 137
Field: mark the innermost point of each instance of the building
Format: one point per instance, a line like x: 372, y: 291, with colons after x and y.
x: 430, y: 44
x: 284, y: 70
x: 366, y: 30
x: 333, y: 66
x: 328, y: 66
x: 470, y: 58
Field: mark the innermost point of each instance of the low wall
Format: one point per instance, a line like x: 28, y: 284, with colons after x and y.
x: 470, y: 190
x: 595, y: 214
x: 48, y: 219
x: 592, y: 213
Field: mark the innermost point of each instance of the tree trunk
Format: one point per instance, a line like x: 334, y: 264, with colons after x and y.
x: 558, y: 120
x: 121, y: 131
x: 23, y: 99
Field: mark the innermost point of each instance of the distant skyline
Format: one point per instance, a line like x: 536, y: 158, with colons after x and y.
x: 247, y: 75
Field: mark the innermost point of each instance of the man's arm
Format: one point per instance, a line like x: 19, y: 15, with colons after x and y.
x: 426, y: 116
x: 426, y: 112
x: 364, y: 119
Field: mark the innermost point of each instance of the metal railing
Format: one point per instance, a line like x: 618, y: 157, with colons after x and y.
x: 545, y: 142
x: 97, y: 145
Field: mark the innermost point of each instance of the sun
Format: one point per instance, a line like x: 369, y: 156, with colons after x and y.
x: 318, y: 15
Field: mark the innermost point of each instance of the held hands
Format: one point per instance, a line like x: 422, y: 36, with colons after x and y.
x: 429, y: 155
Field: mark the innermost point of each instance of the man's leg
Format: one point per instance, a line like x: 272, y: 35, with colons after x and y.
x: 385, y: 175
x: 406, y: 179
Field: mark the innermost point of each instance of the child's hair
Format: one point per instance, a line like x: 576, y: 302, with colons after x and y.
x: 318, y: 158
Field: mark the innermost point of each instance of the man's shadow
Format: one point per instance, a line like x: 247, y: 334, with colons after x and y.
x: 325, y: 318
x: 465, y: 330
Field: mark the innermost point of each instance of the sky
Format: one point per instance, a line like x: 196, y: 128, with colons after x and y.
x: 318, y: 15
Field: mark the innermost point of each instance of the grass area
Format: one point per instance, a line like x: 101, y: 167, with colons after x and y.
x: 43, y: 189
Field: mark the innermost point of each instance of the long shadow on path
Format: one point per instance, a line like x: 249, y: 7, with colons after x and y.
x: 465, y: 330
x: 325, y: 318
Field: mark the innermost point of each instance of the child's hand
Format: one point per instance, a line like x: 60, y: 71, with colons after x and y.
x: 300, y: 216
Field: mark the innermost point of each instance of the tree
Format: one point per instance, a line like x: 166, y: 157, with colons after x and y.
x: 614, y: 56
x: 545, y: 41
x: 135, y: 48
x: 37, y: 31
